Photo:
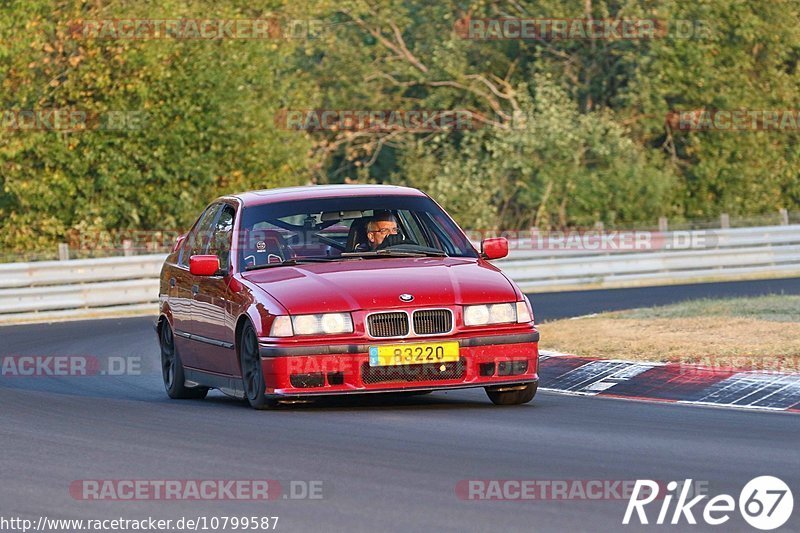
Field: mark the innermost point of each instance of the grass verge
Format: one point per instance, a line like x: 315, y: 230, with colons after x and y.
x: 761, y: 333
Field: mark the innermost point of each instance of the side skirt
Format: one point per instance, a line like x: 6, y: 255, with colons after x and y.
x: 226, y: 384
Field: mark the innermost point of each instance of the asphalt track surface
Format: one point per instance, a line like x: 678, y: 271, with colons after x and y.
x: 555, y: 305
x: 386, y: 464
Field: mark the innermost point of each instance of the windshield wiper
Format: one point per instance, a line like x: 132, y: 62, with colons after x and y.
x: 397, y: 253
x: 289, y: 262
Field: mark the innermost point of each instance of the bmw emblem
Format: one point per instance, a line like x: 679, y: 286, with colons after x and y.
x: 405, y: 297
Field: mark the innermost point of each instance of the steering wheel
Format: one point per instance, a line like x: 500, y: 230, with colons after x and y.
x: 393, y: 240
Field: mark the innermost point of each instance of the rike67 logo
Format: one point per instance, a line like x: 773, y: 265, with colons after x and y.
x: 765, y: 503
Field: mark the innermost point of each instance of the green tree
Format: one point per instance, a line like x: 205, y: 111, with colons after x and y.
x: 206, y: 112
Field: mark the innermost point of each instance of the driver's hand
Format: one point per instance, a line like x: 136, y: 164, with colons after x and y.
x: 392, y: 240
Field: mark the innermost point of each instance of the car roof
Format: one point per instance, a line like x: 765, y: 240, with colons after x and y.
x: 268, y: 196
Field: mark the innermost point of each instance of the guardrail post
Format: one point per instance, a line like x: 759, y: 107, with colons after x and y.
x: 724, y: 221
x: 784, y: 217
x: 663, y: 225
x: 535, y: 237
x: 63, y: 251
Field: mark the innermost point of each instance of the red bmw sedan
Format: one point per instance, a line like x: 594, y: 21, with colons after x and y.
x: 283, y: 295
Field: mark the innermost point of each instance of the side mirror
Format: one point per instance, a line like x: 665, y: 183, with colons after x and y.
x: 494, y: 248
x: 204, y: 265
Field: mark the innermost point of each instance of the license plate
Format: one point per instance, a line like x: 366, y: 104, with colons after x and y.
x: 413, y: 354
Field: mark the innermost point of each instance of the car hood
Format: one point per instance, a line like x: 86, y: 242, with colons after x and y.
x: 378, y: 283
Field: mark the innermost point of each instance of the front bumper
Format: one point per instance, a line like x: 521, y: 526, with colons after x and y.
x: 344, y: 368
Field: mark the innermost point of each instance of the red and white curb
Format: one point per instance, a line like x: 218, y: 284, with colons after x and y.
x: 669, y: 382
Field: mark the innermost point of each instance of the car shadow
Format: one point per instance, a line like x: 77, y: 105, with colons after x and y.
x: 386, y: 401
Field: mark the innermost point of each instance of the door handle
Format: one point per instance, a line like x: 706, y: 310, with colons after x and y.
x: 195, y: 289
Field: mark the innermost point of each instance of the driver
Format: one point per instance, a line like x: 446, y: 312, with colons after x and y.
x: 379, y: 227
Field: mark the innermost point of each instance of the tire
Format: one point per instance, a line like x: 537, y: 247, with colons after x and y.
x: 172, y: 369
x: 252, y: 372
x: 513, y: 397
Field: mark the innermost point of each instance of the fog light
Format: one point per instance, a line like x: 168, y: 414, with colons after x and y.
x: 306, y: 381
x: 486, y: 369
x: 504, y: 368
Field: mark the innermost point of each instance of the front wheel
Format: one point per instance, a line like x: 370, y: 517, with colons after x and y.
x: 252, y: 372
x: 172, y: 369
x: 515, y: 396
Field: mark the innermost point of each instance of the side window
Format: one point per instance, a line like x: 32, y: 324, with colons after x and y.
x: 197, y: 241
x: 222, y: 237
x: 412, y: 229
x: 439, y: 234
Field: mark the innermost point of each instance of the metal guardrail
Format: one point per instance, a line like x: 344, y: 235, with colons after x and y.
x: 27, y: 289
x: 30, y: 290
x: 49, y: 273
x: 550, y: 261
x: 558, y: 244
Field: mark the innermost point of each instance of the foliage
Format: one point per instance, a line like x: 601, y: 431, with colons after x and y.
x: 562, y: 132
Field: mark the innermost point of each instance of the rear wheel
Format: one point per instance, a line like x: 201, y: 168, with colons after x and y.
x: 512, y: 395
x: 252, y: 371
x: 172, y: 369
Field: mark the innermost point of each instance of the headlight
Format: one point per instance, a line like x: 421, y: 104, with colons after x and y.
x: 328, y: 324
x: 481, y: 315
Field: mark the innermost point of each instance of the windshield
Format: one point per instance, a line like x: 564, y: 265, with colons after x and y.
x: 346, y: 228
